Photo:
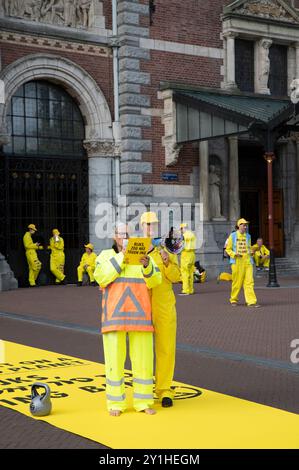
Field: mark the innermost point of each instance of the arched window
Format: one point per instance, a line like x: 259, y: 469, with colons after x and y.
x: 44, y: 120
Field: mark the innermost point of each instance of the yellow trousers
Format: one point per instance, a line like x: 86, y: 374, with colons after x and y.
x: 34, y: 266
x: 187, y: 271
x: 89, y: 270
x: 242, y: 276
x: 57, y: 268
x: 165, y: 324
x: 142, y: 357
x: 259, y: 262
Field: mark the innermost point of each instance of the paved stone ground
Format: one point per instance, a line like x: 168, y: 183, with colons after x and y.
x: 241, y: 352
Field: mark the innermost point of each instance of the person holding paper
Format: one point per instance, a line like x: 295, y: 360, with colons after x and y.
x: 126, y: 310
x: 164, y: 312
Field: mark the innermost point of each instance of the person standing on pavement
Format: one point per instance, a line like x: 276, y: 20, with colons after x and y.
x: 87, y: 265
x: 57, y: 258
x: 126, y: 310
x: 187, y: 260
x: 240, y: 252
x: 164, y: 312
x: 31, y: 248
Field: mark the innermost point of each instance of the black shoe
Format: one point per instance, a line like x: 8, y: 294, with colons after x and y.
x: 167, y: 402
x: 94, y: 284
x: 63, y: 282
x: 79, y: 284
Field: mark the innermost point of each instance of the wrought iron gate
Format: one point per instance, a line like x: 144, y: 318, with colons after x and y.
x: 50, y: 193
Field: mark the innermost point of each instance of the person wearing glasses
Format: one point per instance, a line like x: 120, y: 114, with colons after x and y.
x: 126, y: 311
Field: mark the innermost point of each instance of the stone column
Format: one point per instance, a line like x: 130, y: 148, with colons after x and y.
x: 204, y: 178
x: 230, y: 82
x: 297, y: 60
x: 234, y: 201
x: 101, y: 182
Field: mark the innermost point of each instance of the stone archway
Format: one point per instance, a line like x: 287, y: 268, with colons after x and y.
x: 76, y: 81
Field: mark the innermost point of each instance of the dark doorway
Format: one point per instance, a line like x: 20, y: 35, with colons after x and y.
x: 253, y: 196
x: 45, y: 178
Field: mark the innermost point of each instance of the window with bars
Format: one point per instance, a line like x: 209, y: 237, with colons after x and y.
x: 44, y: 120
x: 244, y: 64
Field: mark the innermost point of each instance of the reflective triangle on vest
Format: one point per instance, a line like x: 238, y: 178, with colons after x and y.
x: 128, y: 305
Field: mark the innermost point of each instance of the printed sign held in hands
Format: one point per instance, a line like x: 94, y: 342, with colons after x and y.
x: 136, y: 249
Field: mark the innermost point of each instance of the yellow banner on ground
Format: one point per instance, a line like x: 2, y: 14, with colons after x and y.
x: 208, y: 420
x: 136, y: 249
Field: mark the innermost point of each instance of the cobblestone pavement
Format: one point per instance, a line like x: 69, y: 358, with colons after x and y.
x: 241, y: 352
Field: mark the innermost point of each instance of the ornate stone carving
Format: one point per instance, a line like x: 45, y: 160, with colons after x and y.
x: 214, y: 192
x: 294, y: 86
x: 266, y: 9
x: 102, y: 148
x: 172, y: 151
x: 68, y: 13
x: 264, y: 66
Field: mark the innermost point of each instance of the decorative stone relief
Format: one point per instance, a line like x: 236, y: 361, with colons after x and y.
x: 266, y: 9
x: 172, y: 148
x: 102, y: 148
x: 67, y: 13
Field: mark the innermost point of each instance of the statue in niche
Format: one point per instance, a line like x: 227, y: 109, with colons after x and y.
x: 264, y: 63
x: 83, y: 8
x: 214, y: 193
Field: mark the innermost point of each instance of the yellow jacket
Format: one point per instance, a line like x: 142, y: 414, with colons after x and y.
x: 261, y: 251
x: 28, y: 242
x: 89, y: 259
x: 243, y: 247
x: 56, y: 247
x: 189, y: 241
x: 163, y: 293
x: 126, y: 303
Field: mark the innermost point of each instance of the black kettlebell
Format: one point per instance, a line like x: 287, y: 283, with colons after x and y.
x: 40, y: 404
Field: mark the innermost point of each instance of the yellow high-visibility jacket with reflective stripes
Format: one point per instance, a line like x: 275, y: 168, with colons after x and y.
x: 126, y: 302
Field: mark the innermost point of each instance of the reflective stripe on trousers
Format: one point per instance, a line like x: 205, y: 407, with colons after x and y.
x: 141, y: 355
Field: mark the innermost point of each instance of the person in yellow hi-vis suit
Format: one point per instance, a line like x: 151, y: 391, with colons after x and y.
x: 261, y: 255
x: 126, y: 310
x: 34, y: 263
x: 87, y: 264
x: 239, y: 249
x: 164, y: 312
x: 57, y: 258
x: 187, y: 260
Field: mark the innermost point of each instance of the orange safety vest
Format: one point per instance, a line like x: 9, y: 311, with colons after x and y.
x: 126, y: 306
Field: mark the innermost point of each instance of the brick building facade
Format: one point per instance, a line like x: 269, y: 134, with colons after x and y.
x: 129, y: 144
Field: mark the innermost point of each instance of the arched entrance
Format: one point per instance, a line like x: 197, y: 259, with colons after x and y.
x: 45, y: 174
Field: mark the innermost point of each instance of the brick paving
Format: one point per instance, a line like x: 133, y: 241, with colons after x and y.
x: 219, y: 348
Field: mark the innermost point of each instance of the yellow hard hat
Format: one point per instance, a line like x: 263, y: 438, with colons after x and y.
x: 242, y: 221
x: 149, y: 218
x: 89, y: 245
x: 32, y: 227
x: 55, y: 231
x: 184, y: 225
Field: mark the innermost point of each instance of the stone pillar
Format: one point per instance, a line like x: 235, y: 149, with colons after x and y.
x: 204, y: 178
x: 101, y: 181
x: 133, y: 100
x: 234, y: 201
x: 297, y: 60
x: 230, y: 82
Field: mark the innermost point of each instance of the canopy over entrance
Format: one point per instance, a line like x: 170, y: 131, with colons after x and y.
x: 196, y: 114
